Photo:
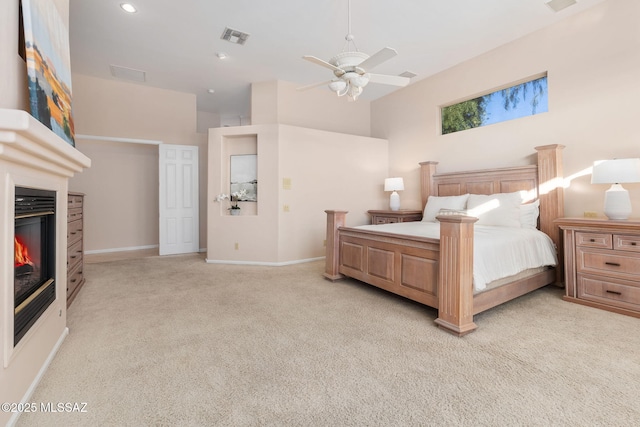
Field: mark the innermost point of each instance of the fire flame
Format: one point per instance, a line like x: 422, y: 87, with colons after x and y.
x: 22, y: 254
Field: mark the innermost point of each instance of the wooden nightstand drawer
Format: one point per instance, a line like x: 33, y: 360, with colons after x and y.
x: 619, y: 294
x: 626, y: 243
x: 608, y: 263
x: 390, y: 217
x: 602, y: 263
x: 594, y: 240
x: 385, y: 220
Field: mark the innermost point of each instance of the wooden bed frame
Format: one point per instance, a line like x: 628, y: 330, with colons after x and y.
x: 439, y: 273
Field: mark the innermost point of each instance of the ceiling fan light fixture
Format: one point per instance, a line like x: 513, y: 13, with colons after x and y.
x: 353, y: 93
x: 350, y: 68
x: 337, y: 86
x: 359, y: 81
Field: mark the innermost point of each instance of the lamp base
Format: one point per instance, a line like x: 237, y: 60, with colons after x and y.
x: 617, y: 203
x: 394, y: 201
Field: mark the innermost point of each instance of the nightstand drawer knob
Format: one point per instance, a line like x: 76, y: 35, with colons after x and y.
x: 592, y: 240
x: 634, y: 243
x: 615, y: 264
x: 614, y: 292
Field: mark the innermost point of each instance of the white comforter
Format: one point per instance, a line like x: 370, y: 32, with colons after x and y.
x: 498, y: 251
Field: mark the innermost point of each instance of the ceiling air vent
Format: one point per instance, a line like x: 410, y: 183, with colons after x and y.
x: 234, y: 36
x: 408, y: 74
x: 128, y: 73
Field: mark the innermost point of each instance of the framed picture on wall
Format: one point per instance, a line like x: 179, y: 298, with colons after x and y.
x: 46, y: 40
x: 244, y: 176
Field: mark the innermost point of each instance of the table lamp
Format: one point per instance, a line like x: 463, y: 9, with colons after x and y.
x: 394, y: 185
x: 617, y: 203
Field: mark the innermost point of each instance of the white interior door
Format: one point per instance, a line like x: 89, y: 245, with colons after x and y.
x: 179, y: 222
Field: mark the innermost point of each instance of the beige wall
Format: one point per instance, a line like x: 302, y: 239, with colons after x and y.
x: 327, y: 170
x: 280, y: 102
x: 122, y: 184
x: 593, y: 64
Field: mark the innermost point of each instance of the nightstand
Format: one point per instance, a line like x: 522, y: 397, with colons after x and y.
x: 389, y: 216
x: 602, y: 263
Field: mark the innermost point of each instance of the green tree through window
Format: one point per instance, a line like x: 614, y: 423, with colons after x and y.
x: 524, y: 99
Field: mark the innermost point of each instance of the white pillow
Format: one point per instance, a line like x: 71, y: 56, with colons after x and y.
x: 502, y: 209
x: 435, y: 203
x: 529, y: 213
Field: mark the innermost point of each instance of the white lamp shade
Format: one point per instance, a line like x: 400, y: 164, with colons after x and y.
x: 393, y: 184
x: 617, y: 171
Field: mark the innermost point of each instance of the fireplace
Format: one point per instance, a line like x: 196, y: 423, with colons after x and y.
x: 32, y: 157
x: 34, y: 257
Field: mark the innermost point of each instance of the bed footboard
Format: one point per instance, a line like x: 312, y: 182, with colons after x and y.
x: 335, y: 220
x: 455, y: 274
x: 435, y: 273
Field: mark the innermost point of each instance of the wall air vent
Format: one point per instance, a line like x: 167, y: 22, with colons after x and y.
x: 234, y: 36
x: 128, y: 73
x: 558, y: 5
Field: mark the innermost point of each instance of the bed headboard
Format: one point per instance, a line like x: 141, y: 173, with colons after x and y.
x: 543, y: 179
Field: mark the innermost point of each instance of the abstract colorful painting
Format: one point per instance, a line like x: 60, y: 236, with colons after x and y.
x: 48, y: 67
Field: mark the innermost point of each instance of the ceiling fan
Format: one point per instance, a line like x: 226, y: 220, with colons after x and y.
x: 351, y: 68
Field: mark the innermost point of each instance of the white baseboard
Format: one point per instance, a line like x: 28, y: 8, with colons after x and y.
x: 131, y: 248
x: 27, y: 396
x: 272, y: 264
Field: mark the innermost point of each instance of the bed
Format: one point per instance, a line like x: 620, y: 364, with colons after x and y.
x: 438, y: 271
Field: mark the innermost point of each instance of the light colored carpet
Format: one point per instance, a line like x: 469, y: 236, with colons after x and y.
x: 173, y: 341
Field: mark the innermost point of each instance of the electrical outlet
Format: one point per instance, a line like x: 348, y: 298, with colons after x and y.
x: 324, y: 243
x: 285, y: 208
x: 590, y: 214
x: 236, y: 246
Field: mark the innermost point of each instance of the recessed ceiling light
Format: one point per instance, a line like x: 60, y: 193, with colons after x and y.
x: 128, y: 7
x: 211, y: 91
x: 222, y: 55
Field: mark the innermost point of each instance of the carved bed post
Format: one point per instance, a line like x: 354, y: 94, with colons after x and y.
x: 427, y: 171
x: 551, y: 195
x: 335, y: 219
x: 455, y: 274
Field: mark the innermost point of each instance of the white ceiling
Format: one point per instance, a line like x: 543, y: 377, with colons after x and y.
x: 175, y: 42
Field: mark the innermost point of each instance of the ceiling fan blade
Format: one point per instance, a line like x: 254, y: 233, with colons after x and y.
x: 389, y: 80
x: 378, y: 58
x: 311, y: 86
x: 322, y: 63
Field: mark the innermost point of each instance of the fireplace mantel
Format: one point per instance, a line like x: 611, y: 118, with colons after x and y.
x: 31, y: 156
x: 24, y: 140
